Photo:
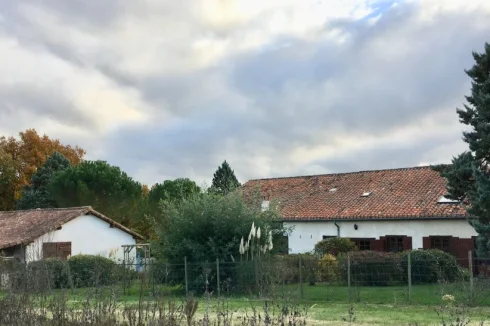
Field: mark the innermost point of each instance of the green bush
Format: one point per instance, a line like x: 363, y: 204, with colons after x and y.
x: 334, y: 246
x: 372, y: 268
x: 48, y: 274
x: 432, y: 266
x: 88, y: 270
x: 288, y: 267
x: 328, y: 269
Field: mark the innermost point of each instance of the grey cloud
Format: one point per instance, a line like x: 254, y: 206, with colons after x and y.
x: 382, y: 78
x: 389, y: 156
x: 43, y: 102
x: 373, y: 87
x: 292, y: 93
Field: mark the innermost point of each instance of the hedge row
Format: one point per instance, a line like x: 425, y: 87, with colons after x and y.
x: 78, y: 271
x: 372, y: 268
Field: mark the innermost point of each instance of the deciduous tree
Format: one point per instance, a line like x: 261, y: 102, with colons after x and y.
x: 31, y: 150
x: 166, y: 193
x: 469, y: 174
x: 208, y: 226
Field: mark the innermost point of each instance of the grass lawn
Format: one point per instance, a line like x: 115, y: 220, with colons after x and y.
x: 329, y: 305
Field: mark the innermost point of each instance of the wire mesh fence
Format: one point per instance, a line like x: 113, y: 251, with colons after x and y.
x: 362, y: 277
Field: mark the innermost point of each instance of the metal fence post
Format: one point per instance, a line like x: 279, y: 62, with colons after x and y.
x: 185, y: 275
x: 300, y: 278
x: 470, y: 265
x: 217, y: 276
x: 348, y: 276
x: 409, y: 277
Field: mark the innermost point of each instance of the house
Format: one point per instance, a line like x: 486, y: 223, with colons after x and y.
x: 384, y: 210
x: 30, y: 235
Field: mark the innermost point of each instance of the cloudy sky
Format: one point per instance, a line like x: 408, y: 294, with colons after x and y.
x: 167, y: 89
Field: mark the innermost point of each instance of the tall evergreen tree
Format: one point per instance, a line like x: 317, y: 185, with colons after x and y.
x: 36, y: 195
x: 468, y: 176
x: 105, y: 187
x: 224, y: 180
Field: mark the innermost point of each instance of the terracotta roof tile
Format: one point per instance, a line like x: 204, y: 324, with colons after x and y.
x: 397, y: 193
x: 24, y: 226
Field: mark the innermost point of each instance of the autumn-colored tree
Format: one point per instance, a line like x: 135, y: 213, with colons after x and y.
x: 31, y: 150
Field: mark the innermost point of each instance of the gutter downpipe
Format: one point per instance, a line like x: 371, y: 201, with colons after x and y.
x: 338, y: 228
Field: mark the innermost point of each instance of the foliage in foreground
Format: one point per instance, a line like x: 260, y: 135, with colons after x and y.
x: 207, y: 227
x: 103, y: 307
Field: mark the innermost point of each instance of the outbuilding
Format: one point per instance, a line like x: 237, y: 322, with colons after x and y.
x: 29, y: 235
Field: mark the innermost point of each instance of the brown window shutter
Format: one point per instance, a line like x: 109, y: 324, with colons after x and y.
x: 426, y: 242
x: 63, y: 250
x: 49, y: 250
x: 454, y: 247
x: 383, y: 246
x: 378, y: 245
x: 407, y: 243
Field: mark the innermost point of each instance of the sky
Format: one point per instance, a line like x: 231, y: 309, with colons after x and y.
x: 166, y: 89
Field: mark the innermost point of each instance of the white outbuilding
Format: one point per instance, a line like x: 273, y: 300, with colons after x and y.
x: 29, y: 235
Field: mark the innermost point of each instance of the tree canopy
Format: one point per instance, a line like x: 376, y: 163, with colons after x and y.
x: 210, y: 226
x: 31, y: 151
x: 224, y: 180
x: 468, y: 177
x: 36, y: 195
x: 106, y: 188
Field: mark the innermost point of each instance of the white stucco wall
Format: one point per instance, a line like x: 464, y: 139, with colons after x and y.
x: 88, y: 235
x: 305, y: 235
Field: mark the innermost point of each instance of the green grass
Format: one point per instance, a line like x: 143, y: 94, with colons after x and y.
x: 430, y: 294
x: 329, y: 305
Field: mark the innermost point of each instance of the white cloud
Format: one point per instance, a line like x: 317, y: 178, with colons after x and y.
x: 172, y: 88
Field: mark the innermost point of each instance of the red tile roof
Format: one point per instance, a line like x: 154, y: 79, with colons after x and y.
x: 395, y: 194
x: 24, y: 226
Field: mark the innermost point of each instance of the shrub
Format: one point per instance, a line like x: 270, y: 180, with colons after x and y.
x: 334, y: 246
x: 373, y: 268
x: 432, y: 266
x: 88, y: 270
x: 328, y: 269
x: 286, y: 269
x: 164, y: 273
x: 48, y: 274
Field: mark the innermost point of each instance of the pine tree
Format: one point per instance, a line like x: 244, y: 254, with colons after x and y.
x: 224, y: 180
x: 36, y: 195
x: 468, y: 177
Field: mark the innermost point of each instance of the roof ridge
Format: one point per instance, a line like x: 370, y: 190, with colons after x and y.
x: 50, y: 209
x: 346, y: 173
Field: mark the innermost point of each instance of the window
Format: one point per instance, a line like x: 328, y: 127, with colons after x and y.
x: 60, y: 250
x: 325, y: 237
x: 362, y: 244
x: 445, y: 200
x: 265, y: 205
x: 394, y: 244
x: 441, y: 243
